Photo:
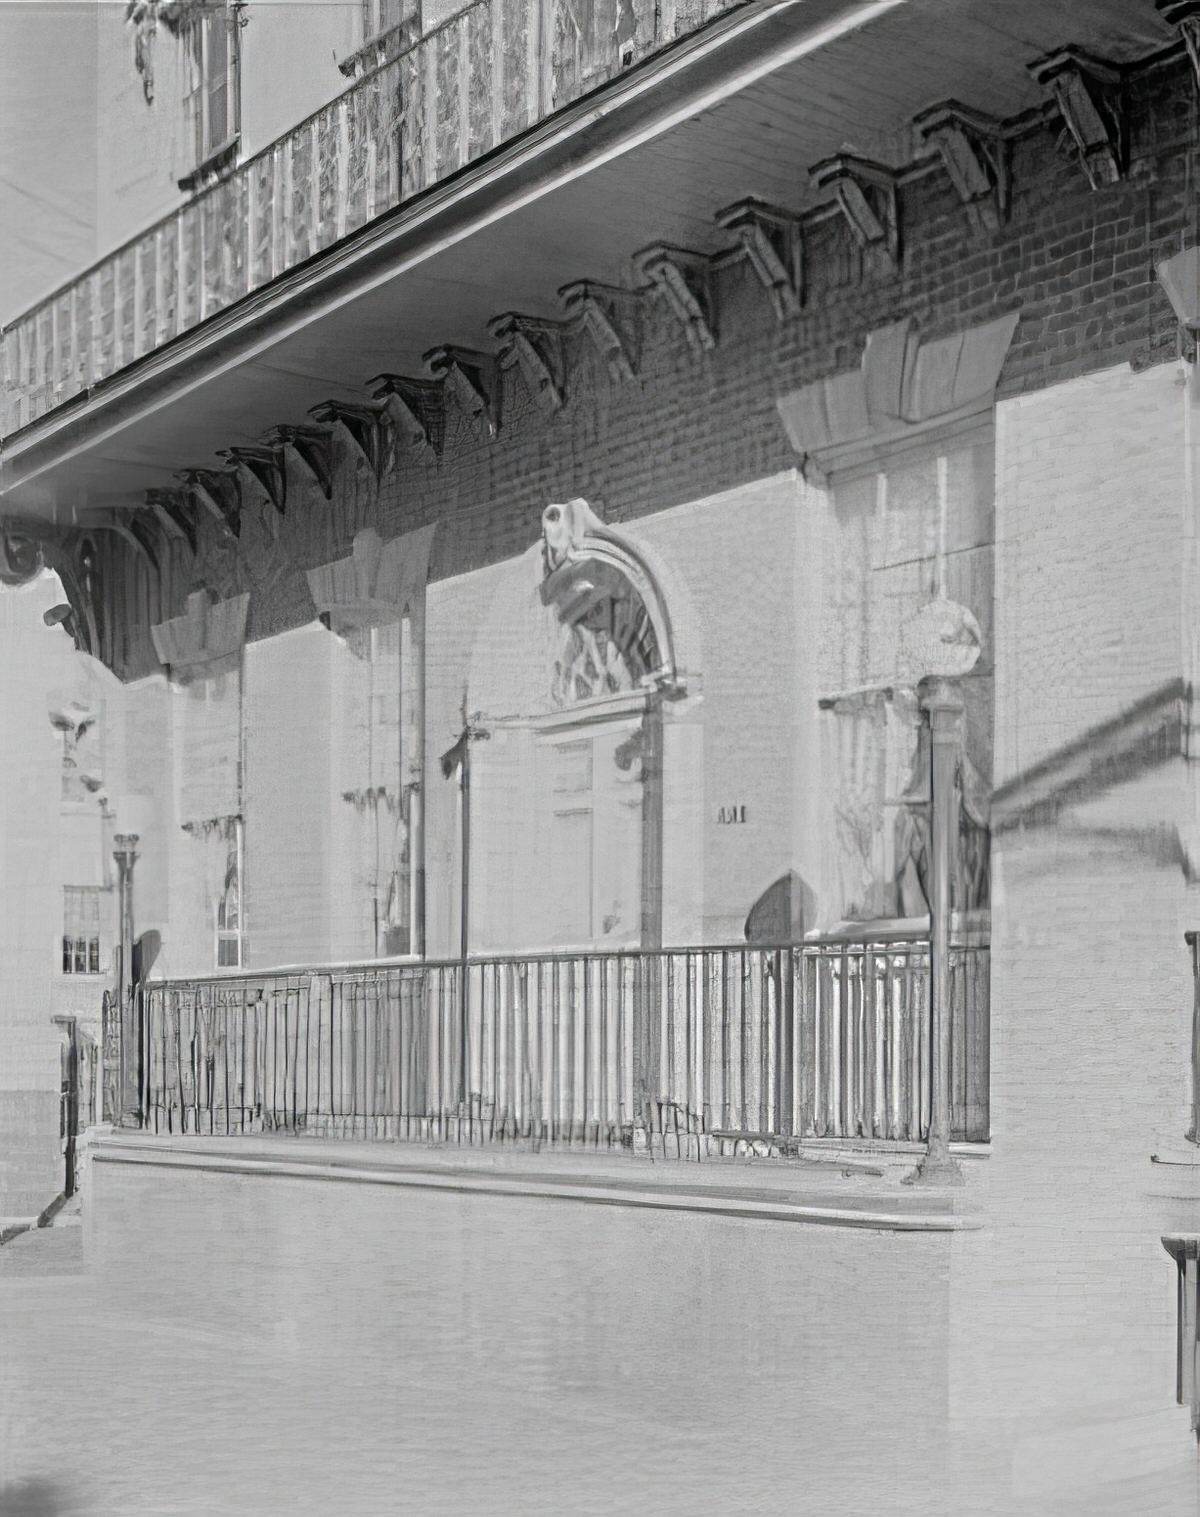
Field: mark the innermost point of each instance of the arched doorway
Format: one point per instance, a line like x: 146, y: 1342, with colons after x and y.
x: 565, y: 796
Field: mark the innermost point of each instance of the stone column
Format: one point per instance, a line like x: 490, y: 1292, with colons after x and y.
x: 125, y: 855
x: 944, y: 707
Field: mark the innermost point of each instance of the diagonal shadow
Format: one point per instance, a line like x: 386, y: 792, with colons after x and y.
x: 1145, y: 735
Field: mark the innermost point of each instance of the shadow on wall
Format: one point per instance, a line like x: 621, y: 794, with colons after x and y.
x: 31, y: 1498
x: 1145, y: 735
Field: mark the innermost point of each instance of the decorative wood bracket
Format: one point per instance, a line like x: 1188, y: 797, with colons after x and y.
x: 470, y: 378
x: 535, y: 348
x: 171, y: 511
x: 361, y: 425
x: 772, y: 242
x: 217, y: 491
x: 682, y: 279
x: 1184, y: 16
x: 414, y: 411
x: 593, y: 307
x: 975, y: 156
x: 134, y: 534
x: 266, y: 467
x: 865, y: 192
x: 1087, y: 93
x: 310, y: 445
x: 147, y: 538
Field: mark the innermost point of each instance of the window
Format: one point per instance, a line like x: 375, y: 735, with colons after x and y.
x: 230, y: 942
x: 381, y: 16
x: 81, y: 930
x: 212, y: 102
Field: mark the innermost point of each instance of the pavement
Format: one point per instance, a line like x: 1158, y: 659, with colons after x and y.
x: 42, y: 1253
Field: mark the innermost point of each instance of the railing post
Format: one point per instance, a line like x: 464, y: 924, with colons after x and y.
x: 1193, y: 942
x: 944, y: 706
x: 130, y: 1023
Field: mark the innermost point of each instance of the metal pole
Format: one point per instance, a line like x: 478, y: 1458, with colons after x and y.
x: 1193, y: 942
x: 416, y: 844
x: 464, y: 912
x: 125, y: 855
x: 944, y: 707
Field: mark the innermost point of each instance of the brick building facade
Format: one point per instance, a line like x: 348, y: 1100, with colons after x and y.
x: 956, y: 369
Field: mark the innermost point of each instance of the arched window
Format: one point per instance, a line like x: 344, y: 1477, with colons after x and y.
x: 613, y: 636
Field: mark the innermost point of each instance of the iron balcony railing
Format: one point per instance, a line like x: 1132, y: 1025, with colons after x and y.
x: 478, y: 80
x: 696, y: 1050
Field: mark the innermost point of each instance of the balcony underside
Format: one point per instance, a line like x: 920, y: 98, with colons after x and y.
x: 742, y: 108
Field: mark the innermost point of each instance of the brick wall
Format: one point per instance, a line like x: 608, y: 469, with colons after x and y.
x: 1078, y: 264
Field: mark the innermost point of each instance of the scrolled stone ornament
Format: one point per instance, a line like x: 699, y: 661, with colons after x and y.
x: 20, y: 558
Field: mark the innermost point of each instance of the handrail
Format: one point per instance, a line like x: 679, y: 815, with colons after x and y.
x: 889, y: 938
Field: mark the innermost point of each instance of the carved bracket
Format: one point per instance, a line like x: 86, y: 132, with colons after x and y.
x: 361, y: 425
x: 1087, y: 93
x: 594, y: 307
x: 1184, y: 16
x: 413, y: 411
x: 974, y: 155
x: 535, y: 348
x: 310, y: 446
x: 216, y: 490
x: 266, y: 468
x: 865, y: 192
x: 135, y: 535
x: 170, y: 508
x: 773, y: 243
x: 470, y: 378
x: 682, y: 279
x: 72, y: 557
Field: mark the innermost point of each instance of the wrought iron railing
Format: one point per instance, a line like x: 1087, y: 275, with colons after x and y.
x: 691, y: 1049
x: 478, y: 80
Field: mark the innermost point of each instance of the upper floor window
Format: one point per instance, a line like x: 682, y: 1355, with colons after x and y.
x: 81, y: 930
x: 212, y: 99
x: 379, y: 16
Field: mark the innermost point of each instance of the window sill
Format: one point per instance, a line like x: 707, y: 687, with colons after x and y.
x: 214, y: 167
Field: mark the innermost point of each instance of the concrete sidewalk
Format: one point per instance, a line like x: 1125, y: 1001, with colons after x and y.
x: 42, y: 1252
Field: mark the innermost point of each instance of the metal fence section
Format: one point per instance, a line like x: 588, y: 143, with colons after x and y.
x: 690, y: 1049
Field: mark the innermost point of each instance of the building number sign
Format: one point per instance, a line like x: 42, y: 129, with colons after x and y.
x: 730, y: 815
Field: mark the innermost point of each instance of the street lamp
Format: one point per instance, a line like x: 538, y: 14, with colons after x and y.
x: 125, y: 856
x: 132, y: 815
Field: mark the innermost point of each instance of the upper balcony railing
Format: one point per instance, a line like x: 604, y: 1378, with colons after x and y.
x: 688, y: 1051
x: 478, y: 80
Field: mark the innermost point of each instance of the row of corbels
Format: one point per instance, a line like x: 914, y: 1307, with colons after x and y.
x: 973, y: 149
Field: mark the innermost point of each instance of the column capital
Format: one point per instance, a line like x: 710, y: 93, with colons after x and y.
x: 943, y: 700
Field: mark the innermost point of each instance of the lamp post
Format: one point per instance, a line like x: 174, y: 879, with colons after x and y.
x: 942, y: 643
x: 125, y: 855
x: 943, y: 705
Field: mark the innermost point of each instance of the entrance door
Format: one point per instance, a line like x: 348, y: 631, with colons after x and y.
x: 591, y: 823
x: 556, y: 837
